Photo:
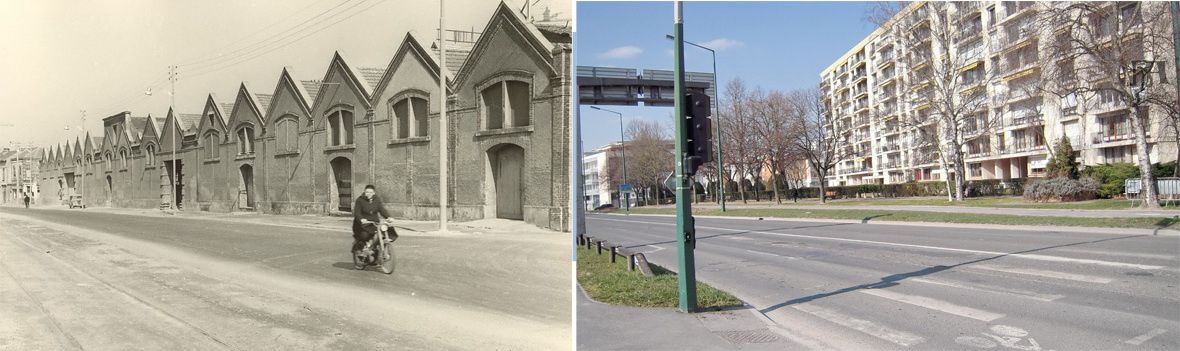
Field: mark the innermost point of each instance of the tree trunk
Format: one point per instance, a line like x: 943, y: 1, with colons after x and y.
x: 774, y: 183
x: 1150, y: 198
x: 946, y: 175
x: 823, y: 186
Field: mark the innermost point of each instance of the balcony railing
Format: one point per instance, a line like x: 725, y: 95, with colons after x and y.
x: 1024, y: 119
x: 1026, y: 145
x: 890, y: 147
x: 1109, y: 136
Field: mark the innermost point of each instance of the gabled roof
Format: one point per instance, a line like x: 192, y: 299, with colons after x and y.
x: 246, y: 102
x: 219, y: 116
x: 310, y: 89
x: 68, y: 154
x: 299, y: 90
x: 151, y: 128
x: 505, y: 19
x: 409, y: 47
x: 78, y: 151
x: 263, y: 101
x: 358, y: 78
x: 135, y: 126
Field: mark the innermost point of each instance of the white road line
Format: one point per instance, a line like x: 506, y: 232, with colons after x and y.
x: 1140, y: 339
x: 772, y: 254
x: 657, y: 248
x: 867, y: 327
x: 1043, y: 273
x: 1027, y: 256
x: 1114, y: 253
x: 935, y: 304
x: 992, y: 289
x: 738, y: 238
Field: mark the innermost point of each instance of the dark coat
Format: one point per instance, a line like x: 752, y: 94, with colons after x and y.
x: 370, y: 209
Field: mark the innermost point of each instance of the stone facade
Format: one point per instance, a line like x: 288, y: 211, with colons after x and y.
x: 310, y: 146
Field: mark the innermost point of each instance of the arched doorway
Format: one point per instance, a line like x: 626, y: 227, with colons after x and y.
x: 246, y: 187
x: 342, y: 183
x: 110, y: 190
x: 506, y: 179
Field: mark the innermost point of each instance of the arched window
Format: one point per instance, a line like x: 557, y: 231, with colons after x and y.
x: 246, y: 141
x: 211, y: 146
x: 410, y: 116
x: 340, y: 128
x: 506, y: 104
x: 123, y: 158
x: 150, y: 155
x: 287, y: 135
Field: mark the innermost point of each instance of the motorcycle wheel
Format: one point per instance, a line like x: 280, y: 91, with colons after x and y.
x: 386, y: 258
x: 356, y: 260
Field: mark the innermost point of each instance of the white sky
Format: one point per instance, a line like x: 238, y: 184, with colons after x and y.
x: 63, y: 56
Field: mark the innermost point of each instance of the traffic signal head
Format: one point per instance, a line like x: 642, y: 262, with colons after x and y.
x: 699, y: 129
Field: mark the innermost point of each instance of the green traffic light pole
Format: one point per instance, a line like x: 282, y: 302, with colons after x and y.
x: 686, y: 278
x: 623, y: 196
x: 716, y: 123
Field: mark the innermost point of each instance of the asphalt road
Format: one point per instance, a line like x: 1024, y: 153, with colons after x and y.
x: 107, y: 281
x: 882, y: 287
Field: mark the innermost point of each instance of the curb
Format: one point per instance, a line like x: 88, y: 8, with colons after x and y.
x: 1033, y: 228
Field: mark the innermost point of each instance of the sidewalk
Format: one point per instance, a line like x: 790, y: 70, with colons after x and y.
x: 953, y: 209
x: 405, y: 227
x: 608, y: 327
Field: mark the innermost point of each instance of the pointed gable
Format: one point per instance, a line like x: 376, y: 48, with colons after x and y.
x: 108, y: 144
x: 507, y: 24
x: 212, y: 118
x: 78, y: 152
x: 290, y: 98
x: 410, y: 52
x: 68, y: 154
x: 247, y: 110
x: 174, y: 130
x: 150, y: 133
x: 345, y: 77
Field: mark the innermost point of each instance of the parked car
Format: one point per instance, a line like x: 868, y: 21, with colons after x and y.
x: 604, y: 207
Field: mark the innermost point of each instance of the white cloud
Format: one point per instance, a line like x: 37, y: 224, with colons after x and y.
x: 622, y: 52
x: 720, y: 44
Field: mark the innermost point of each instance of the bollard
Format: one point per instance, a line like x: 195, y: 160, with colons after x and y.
x: 588, y: 239
x: 631, y: 262
x: 613, y: 251
x: 600, y: 246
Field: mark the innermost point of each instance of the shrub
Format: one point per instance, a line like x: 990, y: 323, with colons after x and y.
x: 1061, y: 189
x: 1112, y: 175
x: 868, y: 189
x: 1062, y: 164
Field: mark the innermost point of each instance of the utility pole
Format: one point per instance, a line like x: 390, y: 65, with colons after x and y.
x: 82, y: 180
x: 685, y: 241
x: 175, y: 124
x: 442, y: 120
x: 1176, y: 43
x: 624, y: 193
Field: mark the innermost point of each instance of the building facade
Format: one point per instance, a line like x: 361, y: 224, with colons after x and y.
x: 1005, y: 53
x: 311, y: 145
x: 18, y: 174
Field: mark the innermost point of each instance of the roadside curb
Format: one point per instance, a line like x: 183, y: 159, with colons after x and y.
x: 1033, y: 228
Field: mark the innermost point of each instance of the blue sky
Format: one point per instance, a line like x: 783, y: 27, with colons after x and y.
x: 775, y: 45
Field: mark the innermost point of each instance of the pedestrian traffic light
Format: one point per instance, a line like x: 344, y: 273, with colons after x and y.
x: 699, y: 128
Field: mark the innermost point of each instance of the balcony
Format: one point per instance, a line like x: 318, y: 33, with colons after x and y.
x: 890, y: 164
x: 1026, y: 145
x: 890, y: 147
x: 1027, y: 118
x: 1110, y: 136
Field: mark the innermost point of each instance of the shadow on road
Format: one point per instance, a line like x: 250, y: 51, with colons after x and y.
x: 894, y: 279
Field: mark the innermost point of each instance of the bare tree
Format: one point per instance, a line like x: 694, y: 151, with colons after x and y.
x: 880, y: 13
x: 948, y: 73
x: 814, y: 140
x: 741, y: 144
x: 649, y: 155
x: 773, y: 114
x: 1105, y: 45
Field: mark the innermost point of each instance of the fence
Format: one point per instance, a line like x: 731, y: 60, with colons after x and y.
x: 635, y: 260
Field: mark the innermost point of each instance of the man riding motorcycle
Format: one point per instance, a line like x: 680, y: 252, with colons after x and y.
x: 367, y: 212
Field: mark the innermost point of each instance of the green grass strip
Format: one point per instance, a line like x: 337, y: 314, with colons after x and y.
x: 612, y: 283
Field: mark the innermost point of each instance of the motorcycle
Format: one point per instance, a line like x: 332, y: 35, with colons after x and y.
x: 378, y: 250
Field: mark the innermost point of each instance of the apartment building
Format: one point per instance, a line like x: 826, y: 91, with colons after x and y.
x: 596, y: 187
x: 1001, y: 49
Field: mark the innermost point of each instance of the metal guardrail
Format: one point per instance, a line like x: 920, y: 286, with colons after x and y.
x: 635, y: 260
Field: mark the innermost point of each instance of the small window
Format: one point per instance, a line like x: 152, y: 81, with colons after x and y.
x: 211, y: 146
x: 340, y: 128
x: 150, y: 155
x: 410, y: 117
x: 287, y: 135
x: 246, y: 141
x: 506, y: 104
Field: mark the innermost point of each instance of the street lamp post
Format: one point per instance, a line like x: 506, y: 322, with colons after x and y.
x: 716, y: 123
x: 623, y: 150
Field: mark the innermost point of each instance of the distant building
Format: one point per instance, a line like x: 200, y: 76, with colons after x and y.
x: 311, y: 146
x: 18, y: 174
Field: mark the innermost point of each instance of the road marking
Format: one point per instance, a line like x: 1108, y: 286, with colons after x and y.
x: 992, y: 289
x: 1027, y: 256
x: 1128, y: 254
x: 657, y: 248
x: 738, y: 238
x: 772, y: 254
x: 1044, y: 273
x: 935, y: 304
x: 867, y: 327
x: 1151, y: 334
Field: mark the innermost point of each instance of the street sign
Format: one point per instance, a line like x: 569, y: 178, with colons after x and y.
x: 626, y: 188
x: 669, y: 181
